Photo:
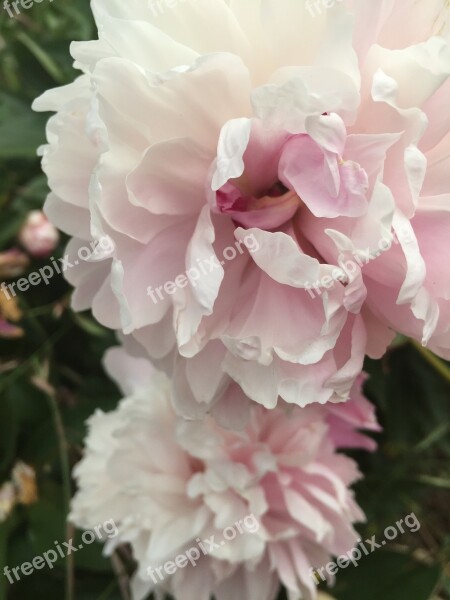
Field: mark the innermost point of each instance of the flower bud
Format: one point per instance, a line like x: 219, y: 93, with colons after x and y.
x: 38, y: 236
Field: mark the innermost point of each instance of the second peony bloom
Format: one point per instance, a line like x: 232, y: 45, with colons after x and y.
x: 207, y: 511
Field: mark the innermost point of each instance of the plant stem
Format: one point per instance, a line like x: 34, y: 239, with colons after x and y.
x: 65, y: 470
x: 437, y: 364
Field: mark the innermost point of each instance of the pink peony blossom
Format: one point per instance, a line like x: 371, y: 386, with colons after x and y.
x: 322, y: 138
x: 169, y: 483
x: 38, y: 236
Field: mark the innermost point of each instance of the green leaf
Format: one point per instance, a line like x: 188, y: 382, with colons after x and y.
x: 32, y: 195
x: 90, y: 557
x: 8, y: 434
x: 47, y: 521
x: 387, y: 576
x: 21, y: 130
x: 42, y: 56
x: 10, y: 228
x: 40, y: 584
x: 6, y: 530
x: 89, y: 326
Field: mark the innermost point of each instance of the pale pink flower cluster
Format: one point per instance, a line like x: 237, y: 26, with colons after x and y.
x: 327, y: 140
x: 168, y: 482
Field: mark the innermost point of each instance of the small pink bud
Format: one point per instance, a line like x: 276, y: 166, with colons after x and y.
x: 38, y: 236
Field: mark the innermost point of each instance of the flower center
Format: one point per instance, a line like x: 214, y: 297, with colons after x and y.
x: 263, y: 176
x: 267, y: 210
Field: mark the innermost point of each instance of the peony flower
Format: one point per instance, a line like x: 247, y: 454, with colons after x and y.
x: 7, y: 500
x: 275, y: 496
x: 274, y: 181
x: 38, y: 236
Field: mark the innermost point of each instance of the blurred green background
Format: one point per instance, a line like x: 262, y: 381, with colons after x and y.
x: 51, y: 380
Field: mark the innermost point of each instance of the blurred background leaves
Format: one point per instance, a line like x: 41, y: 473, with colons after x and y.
x: 51, y: 380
